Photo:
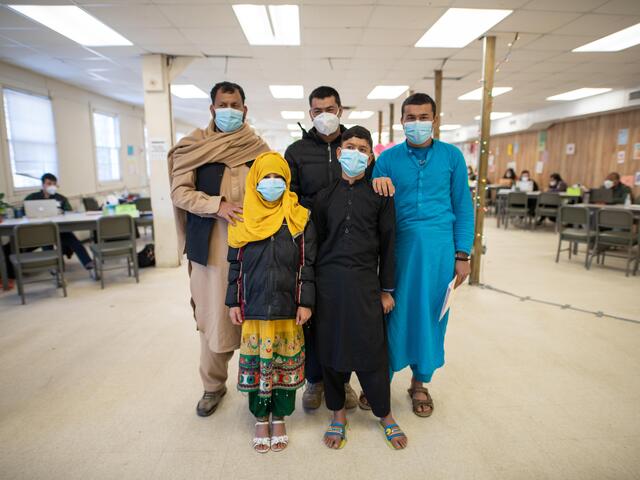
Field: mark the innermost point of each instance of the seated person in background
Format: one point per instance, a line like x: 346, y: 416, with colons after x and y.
x: 525, y: 176
x: 509, y: 178
x: 620, y: 190
x: 556, y: 184
x: 70, y: 244
x: 471, y: 174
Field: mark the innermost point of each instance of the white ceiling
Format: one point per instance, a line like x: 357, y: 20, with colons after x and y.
x: 352, y: 45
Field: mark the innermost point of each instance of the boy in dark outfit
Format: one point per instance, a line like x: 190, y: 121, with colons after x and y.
x: 354, y: 282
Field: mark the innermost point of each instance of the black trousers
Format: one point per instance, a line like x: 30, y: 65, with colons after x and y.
x: 312, y: 368
x: 375, y: 384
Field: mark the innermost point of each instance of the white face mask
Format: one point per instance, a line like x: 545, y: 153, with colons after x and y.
x: 608, y: 183
x: 51, y: 189
x: 525, y: 178
x: 326, y: 123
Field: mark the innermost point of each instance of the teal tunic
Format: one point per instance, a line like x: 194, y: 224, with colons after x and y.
x: 434, y: 219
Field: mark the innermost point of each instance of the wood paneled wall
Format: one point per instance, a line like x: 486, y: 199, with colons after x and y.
x: 596, y: 150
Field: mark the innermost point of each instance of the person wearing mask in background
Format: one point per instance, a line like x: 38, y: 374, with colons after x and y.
x: 207, y: 172
x: 70, y: 243
x: 434, y: 235
x: 556, y: 184
x: 471, y: 174
x: 525, y: 176
x: 314, y: 165
x: 530, y: 185
x: 620, y: 190
x: 509, y: 178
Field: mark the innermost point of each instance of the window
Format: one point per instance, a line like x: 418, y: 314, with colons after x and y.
x: 31, y: 137
x: 107, y: 139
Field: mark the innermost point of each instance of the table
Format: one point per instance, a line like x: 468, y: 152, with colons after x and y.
x: 68, y: 222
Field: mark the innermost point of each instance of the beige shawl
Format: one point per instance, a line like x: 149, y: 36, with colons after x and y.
x: 204, y: 146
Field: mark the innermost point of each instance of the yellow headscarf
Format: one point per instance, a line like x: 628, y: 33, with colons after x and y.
x: 262, y: 218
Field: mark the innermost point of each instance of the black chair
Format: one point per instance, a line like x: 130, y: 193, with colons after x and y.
x: 30, y: 237
x: 90, y: 204
x: 116, y: 238
x: 615, y: 233
x: 517, y: 206
x: 574, y: 226
x: 143, y: 204
x: 547, y: 206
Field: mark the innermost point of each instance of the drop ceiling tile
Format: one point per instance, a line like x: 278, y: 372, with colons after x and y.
x: 622, y: 7
x: 319, y: 16
x: 145, y: 16
x: 154, y: 36
x: 199, y: 16
x: 558, y: 42
x: 406, y: 17
x: 533, y: 21
x: 598, y: 25
x: 564, y: 5
x: 215, y: 36
x: 391, y: 36
x: 331, y: 36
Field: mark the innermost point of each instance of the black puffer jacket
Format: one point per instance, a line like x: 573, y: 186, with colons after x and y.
x: 314, y: 165
x: 269, y: 279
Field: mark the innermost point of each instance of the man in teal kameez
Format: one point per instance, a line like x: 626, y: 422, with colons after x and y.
x: 434, y: 235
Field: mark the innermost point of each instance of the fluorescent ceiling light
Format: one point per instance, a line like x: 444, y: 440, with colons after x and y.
x: 74, y: 23
x: 187, y: 91
x: 615, y: 42
x: 387, y: 92
x: 579, y: 93
x: 447, y: 127
x: 496, y: 115
x: 360, y: 115
x: 477, y: 93
x: 292, y: 115
x: 269, y: 24
x: 460, y: 26
x: 286, y: 91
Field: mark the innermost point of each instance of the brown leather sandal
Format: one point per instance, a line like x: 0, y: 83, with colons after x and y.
x: 418, y: 403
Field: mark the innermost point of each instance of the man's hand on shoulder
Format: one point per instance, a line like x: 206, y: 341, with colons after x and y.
x: 230, y: 212
x: 383, y: 186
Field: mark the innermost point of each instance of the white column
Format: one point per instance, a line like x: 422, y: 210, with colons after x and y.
x: 157, y: 73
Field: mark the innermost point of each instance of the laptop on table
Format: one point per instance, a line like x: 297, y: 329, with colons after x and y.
x: 41, y: 208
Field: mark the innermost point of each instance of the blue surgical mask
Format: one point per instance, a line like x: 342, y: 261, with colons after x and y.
x: 229, y: 119
x: 418, y: 132
x: 271, y: 189
x: 353, y: 162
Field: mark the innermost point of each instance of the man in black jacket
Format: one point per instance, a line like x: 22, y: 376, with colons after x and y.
x: 314, y: 165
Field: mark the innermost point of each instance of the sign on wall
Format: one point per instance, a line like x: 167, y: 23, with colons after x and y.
x: 570, y: 149
x: 636, y: 151
x: 621, y: 156
x: 623, y: 136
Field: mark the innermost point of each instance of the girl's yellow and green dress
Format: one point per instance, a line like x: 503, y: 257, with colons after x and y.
x: 271, y: 257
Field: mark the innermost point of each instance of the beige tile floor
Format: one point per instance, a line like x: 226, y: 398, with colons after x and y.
x: 103, y: 384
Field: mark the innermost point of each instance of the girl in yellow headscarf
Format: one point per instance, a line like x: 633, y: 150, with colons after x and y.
x: 271, y: 293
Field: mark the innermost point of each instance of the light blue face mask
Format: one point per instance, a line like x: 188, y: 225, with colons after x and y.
x: 229, y: 119
x: 418, y: 132
x: 271, y: 189
x: 353, y: 162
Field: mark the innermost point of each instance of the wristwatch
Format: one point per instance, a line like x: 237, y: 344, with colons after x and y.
x: 462, y: 257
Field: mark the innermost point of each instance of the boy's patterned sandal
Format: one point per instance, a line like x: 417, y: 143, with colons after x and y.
x: 392, y: 431
x: 260, y: 442
x: 279, y: 440
x: 340, y: 430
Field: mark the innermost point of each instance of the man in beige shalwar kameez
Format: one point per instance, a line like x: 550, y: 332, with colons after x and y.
x: 220, y: 153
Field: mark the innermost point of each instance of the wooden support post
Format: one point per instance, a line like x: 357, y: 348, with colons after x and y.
x: 438, y: 93
x: 488, y: 70
x: 380, y: 125
x: 391, y: 106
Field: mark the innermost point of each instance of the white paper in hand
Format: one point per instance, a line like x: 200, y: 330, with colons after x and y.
x: 448, y: 298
